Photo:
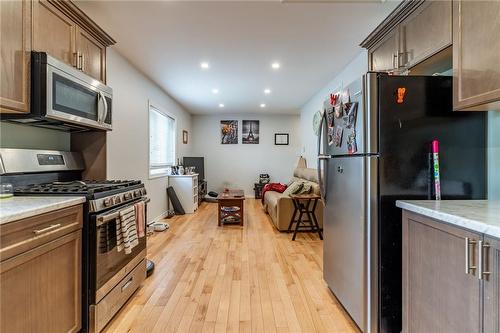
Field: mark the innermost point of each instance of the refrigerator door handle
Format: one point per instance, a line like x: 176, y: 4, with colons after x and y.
x: 322, y: 159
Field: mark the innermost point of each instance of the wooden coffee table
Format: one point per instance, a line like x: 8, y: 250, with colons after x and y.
x: 231, y: 206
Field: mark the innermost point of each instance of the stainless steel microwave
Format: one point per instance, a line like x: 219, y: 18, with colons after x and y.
x: 62, y: 97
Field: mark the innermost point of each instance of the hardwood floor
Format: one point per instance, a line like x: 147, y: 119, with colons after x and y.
x: 232, y: 279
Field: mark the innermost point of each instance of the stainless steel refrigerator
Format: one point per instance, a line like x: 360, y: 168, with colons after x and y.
x: 383, y: 155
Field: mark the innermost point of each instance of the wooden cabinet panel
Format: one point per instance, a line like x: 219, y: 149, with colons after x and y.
x: 438, y: 296
x: 15, y: 37
x: 492, y: 287
x: 53, y: 32
x: 40, y: 289
x: 384, y: 56
x: 23, y: 235
x: 476, y: 48
x: 94, y: 55
x: 426, y: 32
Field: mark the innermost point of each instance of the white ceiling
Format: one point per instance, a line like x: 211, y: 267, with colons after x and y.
x: 167, y: 40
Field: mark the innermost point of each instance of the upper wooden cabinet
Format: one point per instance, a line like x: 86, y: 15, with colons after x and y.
x: 425, y: 32
x: 15, y: 47
x: 413, y: 32
x: 57, y: 27
x: 384, y: 55
x: 476, y: 50
x: 92, y: 55
x: 53, y: 32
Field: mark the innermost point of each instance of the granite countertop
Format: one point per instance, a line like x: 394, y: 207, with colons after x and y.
x: 16, y: 208
x: 477, y: 215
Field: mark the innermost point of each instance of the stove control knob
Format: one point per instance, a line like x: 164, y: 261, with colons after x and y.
x: 137, y: 193
x: 127, y: 196
x: 107, y: 202
x: 143, y: 191
x: 118, y: 199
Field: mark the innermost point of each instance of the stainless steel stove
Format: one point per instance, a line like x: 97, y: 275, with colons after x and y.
x: 110, y: 276
x: 100, y: 194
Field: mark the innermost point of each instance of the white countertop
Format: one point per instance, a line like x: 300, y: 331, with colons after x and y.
x: 16, y: 208
x: 477, y: 215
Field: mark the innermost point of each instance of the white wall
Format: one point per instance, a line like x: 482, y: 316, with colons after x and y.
x: 352, y: 71
x: 128, y: 143
x: 239, y: 165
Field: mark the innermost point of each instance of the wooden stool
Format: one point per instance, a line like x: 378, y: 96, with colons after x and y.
x: 305, y: 206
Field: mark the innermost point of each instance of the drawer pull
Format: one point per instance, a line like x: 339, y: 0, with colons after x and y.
x: 129, y: 282
x: 44, y: 230
x: 468, y: 266
x: 483, y: 261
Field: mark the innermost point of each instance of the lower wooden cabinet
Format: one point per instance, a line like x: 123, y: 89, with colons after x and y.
x: 492, y: 286
x: 40, y: 289
x: 443, y: 288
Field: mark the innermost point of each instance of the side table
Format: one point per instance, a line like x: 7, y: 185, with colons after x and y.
x: 306, y: 221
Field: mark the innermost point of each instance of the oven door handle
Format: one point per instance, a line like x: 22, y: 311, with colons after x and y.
x: 101, y: 219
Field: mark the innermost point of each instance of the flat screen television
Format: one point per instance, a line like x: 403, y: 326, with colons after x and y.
x: 198, y: 163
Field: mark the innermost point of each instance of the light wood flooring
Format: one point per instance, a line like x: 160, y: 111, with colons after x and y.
x: 232, y: 279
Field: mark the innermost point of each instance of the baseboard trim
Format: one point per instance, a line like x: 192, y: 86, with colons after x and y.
x: 159, y: 217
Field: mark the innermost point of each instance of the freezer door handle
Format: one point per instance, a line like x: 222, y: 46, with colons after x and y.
x: 324, y: 157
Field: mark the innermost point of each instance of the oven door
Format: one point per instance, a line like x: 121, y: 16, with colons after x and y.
x: 73, y: 96
x: 110, y: 263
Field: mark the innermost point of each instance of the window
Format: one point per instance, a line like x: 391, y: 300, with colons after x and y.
x: 161, y: 142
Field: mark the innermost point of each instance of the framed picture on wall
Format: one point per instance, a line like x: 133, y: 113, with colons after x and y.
x: 184, y: 137
x: 281, y: 139
x: 229, y: 132
x: 250, y: 132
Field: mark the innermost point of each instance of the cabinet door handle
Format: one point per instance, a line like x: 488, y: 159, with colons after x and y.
x: 394, y: 57
x: 468, y: 266
x: 44, y: 230
x: 80, y: 60
x: 75, y: 59
x: 483, y: 272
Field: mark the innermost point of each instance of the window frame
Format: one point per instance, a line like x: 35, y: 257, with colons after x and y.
x: 159, y: 109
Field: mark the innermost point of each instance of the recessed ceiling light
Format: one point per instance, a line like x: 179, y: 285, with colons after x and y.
x: 215, y: 91
x: 221, y: 105
x: 275, y: 65
x: 267, y: 91
x: 204, y: 65
x: 262, y: 105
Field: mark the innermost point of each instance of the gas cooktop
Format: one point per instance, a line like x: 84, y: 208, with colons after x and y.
x: 89, y: 188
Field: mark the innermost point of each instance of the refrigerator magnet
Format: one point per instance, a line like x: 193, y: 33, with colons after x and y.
x: 352, y: 147
x: 337, y: 136
x: 330, y: 136
x: 351, y: 115
x: 339, y: 110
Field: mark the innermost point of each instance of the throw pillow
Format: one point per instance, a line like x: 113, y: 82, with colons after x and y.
x: 293, y: 188
x: 306, y: 188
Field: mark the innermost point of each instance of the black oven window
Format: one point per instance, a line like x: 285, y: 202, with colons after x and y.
x: 107, y: 237
x: 72, y: 98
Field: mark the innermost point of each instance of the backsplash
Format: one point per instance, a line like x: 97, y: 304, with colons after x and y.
x: 28, y: 137
x: 494, y: 155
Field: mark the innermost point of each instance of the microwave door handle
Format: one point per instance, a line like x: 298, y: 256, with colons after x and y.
x: 100, y: 107
x: 105, y: 108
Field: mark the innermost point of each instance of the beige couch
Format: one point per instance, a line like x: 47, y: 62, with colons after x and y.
x: 280, y: 206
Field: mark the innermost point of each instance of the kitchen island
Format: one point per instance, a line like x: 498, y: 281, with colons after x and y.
x: 451, y: 266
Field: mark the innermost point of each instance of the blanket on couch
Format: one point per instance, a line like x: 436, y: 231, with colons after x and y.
x: 277, y: 187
